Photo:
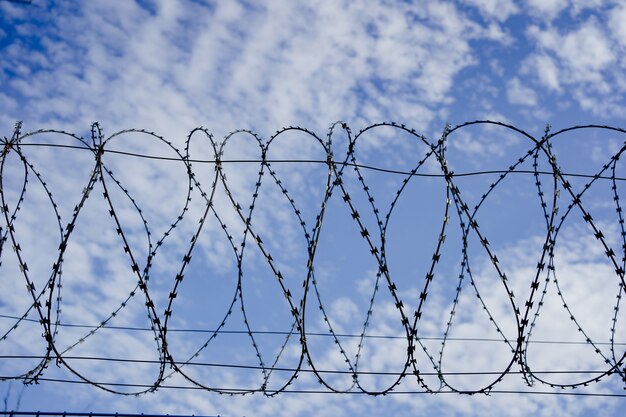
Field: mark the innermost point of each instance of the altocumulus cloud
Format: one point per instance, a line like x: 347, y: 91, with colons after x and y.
x: 168, y: 66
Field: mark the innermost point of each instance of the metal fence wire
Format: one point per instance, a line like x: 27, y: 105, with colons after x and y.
x: 558, y: 200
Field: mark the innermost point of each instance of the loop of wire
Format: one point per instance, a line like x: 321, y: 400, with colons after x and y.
x: 47, y: 301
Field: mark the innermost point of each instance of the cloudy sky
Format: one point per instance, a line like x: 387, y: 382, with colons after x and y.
x: 173, y: 66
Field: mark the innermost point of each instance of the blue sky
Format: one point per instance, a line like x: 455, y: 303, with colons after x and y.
x: 171, y: 66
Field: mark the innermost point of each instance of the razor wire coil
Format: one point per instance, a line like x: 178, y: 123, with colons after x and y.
x: 47, y: 301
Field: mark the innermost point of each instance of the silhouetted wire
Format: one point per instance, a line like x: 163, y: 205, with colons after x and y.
x: 319, y: 161
x: 316, y: 334
x: 552, y: 188
x: 239, y: 390
x: 90, y: 414
x: 233, y: 366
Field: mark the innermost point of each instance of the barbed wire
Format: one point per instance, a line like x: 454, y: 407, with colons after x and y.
x: 309, y: 333
x: 557, y: 197
x: 85, y: 414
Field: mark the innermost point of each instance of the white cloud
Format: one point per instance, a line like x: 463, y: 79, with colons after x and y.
x: 617, y: 15
x: 14, y: 10
x: 584, y: 52
x: 520, y: 94
x: 233, y: 66
x: 602, y: 154
x: 547, y: 9
x: 550, y: 10
x: 579, y: 6
x: 496, y: 33
x: 495, y: 9
x: 546, y: 70
x: 583, y: 59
